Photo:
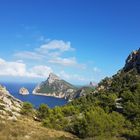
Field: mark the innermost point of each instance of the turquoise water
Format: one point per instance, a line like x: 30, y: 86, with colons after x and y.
x: 13, y: 88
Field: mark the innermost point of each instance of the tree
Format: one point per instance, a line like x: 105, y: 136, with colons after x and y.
x: 97, y: 122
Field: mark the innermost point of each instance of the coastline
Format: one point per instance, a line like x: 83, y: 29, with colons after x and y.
x: 48, y: 95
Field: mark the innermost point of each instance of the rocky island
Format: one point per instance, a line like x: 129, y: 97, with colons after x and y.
x: 23, y: 91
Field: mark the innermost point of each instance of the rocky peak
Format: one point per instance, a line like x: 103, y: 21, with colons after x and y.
x: 133, y: 61
x: 52, y: 78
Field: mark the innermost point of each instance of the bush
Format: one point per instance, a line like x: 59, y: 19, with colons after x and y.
x: 43, y: 111
x: 97, y: 123
x: 27, y: 109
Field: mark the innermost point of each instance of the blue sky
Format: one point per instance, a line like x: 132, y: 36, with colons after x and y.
x: 79, y: 40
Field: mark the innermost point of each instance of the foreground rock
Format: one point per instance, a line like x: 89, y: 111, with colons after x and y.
x: 56, y: 87
x: 9, y: 106
x: 24, y: 91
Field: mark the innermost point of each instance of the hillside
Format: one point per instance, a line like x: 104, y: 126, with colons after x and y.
x: 15, y: 124
x: 111, y: 111
x: 27, y: 129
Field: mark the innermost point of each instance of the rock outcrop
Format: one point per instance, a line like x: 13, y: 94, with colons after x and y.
x: 56, y: 87
x: 9, y: 106
x: 23, y: 91
x: 133, y: 61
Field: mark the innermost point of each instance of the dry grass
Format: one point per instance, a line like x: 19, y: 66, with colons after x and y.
x: 28, y: 129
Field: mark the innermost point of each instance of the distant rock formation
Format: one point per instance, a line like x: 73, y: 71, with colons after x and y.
x: 9, y: 106
x: 92, y: 84
x: 56, y: 87
x: 133, y: 61
x: 23, y: 91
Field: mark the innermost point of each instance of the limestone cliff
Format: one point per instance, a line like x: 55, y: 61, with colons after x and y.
x: 9, y: 106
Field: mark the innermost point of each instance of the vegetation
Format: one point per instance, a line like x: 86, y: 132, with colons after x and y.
x: 28, y: 129
x: 113, y: 112
x: 27, y: 109
x: 43, y: 111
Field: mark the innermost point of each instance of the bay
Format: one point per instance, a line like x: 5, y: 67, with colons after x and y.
x: 36, y: 100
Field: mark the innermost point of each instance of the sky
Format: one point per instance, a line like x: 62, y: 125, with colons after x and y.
x: 79, y: 40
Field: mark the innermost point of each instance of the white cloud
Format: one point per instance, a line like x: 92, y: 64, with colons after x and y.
x: 51, y: 49
x: 20, y: 61
x: 72, y: 77
x: 40, y: 71
x: 55, y: 45
x: 29, y: 55
x: 71, y: 62
x: 11, y: 68
x: 64, y: 61
x: 52, y: 52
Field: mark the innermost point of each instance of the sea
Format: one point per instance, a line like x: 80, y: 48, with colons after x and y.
x: 36, y: 100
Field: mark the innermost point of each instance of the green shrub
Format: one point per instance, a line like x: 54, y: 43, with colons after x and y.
x: 27, y: 109
x: 43, y: 111
x: 97, y: 123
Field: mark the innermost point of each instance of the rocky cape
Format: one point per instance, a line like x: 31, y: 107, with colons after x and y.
x: 55, y: 87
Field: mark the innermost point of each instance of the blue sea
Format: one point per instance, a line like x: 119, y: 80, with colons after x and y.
x: 36, y: 100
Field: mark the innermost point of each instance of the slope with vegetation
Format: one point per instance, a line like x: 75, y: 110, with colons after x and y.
x: 16, y: 121
x: 112, y: 111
